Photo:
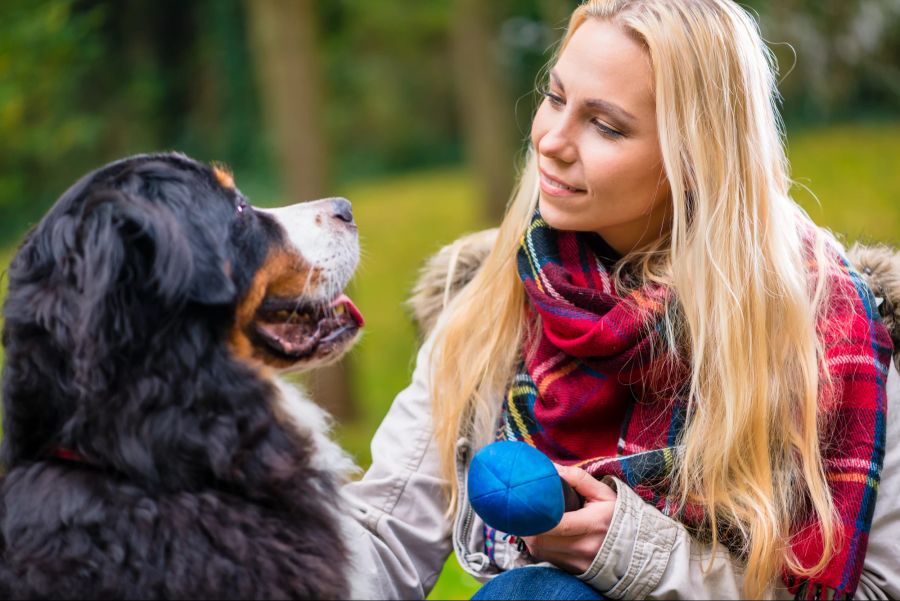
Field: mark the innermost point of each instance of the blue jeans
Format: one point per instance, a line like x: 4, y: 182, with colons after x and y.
x: 536, y: 583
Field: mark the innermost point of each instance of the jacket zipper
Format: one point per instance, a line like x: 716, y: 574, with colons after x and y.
x: 468, y: 517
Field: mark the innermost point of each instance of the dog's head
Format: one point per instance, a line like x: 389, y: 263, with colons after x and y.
x: 151, y: 239
x: 157, y: 264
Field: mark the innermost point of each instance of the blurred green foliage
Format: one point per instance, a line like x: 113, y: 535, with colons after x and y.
x: 45, y: 51
x: 83, y: 82
x: 838, y: 59
x: 389, y: 76
x: 376, y: 53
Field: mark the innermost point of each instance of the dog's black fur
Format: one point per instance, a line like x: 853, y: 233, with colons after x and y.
x: 185, y: 484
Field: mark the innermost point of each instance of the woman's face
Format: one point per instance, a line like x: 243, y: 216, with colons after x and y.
x: 596, y: 138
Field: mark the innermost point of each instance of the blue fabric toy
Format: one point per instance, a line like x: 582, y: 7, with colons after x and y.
x: 516, y: 489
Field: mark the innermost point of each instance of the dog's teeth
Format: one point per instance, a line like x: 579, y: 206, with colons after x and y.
x: 339, y: 310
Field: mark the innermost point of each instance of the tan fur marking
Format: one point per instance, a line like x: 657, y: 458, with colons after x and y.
x: 223, y: 175
x: 283, y: 274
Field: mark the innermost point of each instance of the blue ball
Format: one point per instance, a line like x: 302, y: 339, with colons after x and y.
x: 515, y: 488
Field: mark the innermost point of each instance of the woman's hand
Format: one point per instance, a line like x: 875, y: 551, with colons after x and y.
x: 575, y: 541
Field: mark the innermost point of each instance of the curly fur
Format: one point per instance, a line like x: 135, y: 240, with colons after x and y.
x: 454, y: 266
x: 119, y: 305
x: 445, y: 273
x: 880, y: 268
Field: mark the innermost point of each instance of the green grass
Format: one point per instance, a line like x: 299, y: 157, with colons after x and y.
x: 852, y: 169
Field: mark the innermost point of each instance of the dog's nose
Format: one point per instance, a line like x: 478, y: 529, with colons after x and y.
x: 342, y: 210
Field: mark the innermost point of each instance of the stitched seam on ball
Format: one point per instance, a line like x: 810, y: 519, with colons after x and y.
x: 508, y: 488
x: 537, y: 510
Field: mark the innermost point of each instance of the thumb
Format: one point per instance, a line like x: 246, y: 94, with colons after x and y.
x: 584, y: 484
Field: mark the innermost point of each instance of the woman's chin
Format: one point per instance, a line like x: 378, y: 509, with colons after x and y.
x: 564, y: 214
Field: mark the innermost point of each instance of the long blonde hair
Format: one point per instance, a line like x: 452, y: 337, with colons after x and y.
x: 746, y: 309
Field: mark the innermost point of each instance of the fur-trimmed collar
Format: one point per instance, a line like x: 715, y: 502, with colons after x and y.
x: 452, y: 267
x: 880, y: 268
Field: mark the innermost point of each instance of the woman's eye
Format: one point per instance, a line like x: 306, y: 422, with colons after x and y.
x: 554, y: 99
x: 605, y: 130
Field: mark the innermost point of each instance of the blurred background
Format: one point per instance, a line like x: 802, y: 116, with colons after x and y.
x: 416, y: 110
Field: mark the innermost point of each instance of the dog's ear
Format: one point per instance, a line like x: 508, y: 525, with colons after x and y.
x: 111, y: 268
x: 124, y: 262
x: 210, y: 279
x: 117, y: 267
x: 127, y: 244
x: 70, y: 306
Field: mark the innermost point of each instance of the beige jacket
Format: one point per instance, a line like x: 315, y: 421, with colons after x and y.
x: 401, y: 534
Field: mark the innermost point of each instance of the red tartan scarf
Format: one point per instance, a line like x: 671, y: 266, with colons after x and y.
x: 598, y: 390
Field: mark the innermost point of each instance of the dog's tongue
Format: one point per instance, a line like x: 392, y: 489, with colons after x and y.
x: 343, y: 299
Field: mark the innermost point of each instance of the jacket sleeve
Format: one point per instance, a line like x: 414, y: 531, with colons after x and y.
x: 649, y: 555
x: 881, y: 571
x: 400, y: 534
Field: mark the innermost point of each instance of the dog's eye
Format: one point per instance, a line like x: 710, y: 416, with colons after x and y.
x: 242, y: 206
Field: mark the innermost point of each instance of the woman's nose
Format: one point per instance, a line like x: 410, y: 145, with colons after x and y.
x: 557, y: 143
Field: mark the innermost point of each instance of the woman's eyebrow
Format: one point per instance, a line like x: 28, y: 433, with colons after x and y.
x: 599, y: 104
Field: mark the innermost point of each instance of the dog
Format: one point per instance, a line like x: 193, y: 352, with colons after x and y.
x: 150, y: 448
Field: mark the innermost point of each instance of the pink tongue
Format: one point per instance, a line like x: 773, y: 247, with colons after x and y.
x: 354, y: 311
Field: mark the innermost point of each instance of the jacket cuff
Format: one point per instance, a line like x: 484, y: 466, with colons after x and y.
x: 634, y: 554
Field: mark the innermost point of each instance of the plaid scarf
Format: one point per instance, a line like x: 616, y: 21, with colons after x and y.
x: 598, y: 389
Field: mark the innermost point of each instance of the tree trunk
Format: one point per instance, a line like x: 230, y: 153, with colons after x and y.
x: 284, y: 39
x: 486, y: 109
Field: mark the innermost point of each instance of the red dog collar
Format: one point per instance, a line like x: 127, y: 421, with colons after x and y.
x: 68, y: 455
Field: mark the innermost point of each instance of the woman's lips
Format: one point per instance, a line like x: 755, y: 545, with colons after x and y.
x: 554, y: 187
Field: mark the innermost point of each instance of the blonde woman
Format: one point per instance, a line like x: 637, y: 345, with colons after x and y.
x: 660, y: 318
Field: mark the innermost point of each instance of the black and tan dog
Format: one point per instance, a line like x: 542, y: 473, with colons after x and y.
x: 149, y: 449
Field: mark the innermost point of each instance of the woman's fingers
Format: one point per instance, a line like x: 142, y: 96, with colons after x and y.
x: 584, y: 484
x: 574, y: 542
x: 593, y: 518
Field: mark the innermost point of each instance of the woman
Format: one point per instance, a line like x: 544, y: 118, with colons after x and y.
x: 662, y: 320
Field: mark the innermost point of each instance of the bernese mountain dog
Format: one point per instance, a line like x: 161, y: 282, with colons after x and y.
x: 150, y: 449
